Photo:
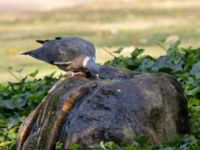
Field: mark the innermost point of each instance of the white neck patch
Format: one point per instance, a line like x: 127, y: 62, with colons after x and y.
x: 86, y: 60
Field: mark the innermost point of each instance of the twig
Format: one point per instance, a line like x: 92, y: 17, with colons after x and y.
x: 109, y: 52
x: 161, y: 46
x: 14, y: 75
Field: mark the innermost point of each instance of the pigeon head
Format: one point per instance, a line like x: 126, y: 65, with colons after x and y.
x: 90, y: 64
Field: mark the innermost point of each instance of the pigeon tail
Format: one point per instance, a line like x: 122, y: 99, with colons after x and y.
x: 34, y: 53
x: 26, y: 53
x: 37, y: 53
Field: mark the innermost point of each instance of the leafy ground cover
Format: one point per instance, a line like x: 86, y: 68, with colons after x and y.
x: 18, y: 99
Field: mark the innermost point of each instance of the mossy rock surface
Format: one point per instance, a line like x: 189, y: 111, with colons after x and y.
x: 119, y: 106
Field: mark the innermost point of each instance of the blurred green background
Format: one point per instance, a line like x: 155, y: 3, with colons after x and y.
x: 109, y: 24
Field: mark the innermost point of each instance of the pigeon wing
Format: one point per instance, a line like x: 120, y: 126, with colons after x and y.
x: 79, y: 46
x: 53, y: 52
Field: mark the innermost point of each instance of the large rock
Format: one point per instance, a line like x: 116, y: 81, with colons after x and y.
x: 119, y: 107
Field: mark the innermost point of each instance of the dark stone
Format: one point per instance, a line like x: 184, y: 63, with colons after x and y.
x: 120, y: 107
x: 124, y: 109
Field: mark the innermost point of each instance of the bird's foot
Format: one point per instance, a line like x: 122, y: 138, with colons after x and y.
x: 74, y: 74
x: 80, y: 74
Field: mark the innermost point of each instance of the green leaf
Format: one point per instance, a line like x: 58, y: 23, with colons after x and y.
x: 33, y: 74
x: 7, y: 104
x: 195, y: 69
x: 168, y: 64
x: 146, y: 64
x: 194, y: 101
x: 18, y: 70
x: 13, y: 121
x: 102, y: 145
x: 142, y: 140
x: 74, y: 147
x: 3, y: 121
x: 119, y: 50
x: 193, y: 91
x: 110, y: 145
x: 5, y: 144
x: 130, y: 147
x: 137, y: 52
x: 173, y: 48
x: 59, y: 146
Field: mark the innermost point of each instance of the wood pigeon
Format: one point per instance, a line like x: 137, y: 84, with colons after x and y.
x: 67, y: 53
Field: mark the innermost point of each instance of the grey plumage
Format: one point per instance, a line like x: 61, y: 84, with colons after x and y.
x: 69, y: 54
